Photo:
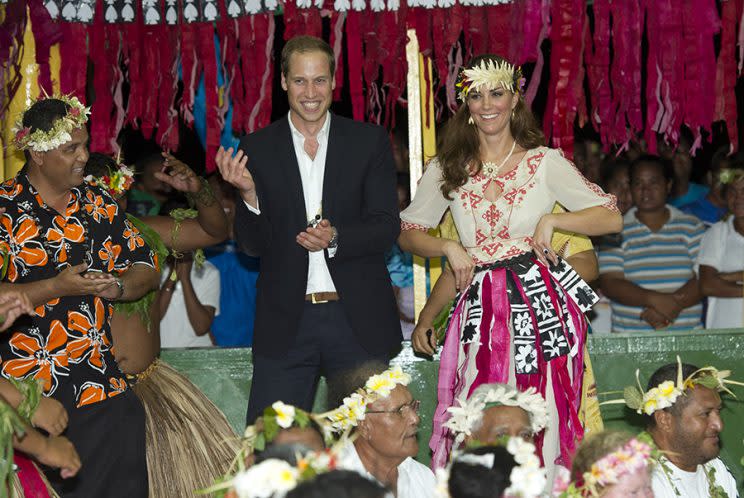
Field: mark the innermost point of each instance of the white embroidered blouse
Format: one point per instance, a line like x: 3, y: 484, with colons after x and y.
x: 492, y: 231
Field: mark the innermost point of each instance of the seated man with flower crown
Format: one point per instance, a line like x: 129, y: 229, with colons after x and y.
x: 378, y: 417
x: 682, y: 406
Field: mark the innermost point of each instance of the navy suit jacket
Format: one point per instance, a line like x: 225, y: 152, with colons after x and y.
x: 359, y: 199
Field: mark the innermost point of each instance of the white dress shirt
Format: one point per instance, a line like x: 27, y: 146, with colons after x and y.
x: 415, y: 480
x: 312, y: 172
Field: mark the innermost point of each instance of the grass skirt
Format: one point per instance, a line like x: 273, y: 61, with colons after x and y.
x: 190, y: 444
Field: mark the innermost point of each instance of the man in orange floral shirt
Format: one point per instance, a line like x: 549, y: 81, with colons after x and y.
x: 65, y: 245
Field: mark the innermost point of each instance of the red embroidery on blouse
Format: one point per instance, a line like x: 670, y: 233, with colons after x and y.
x: 513, y: 251
x: 534, y: 161
x: 492, y: 249
x: 480, y: 237
x: 492, y: 215
x: 404, y: 225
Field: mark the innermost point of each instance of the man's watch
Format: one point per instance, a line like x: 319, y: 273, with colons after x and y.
x: 333, y: 243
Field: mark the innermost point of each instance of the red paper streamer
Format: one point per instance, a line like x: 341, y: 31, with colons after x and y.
x: 260, y: 112
x: 167, y: 134
x: 566, y: 69
x: 725, y: 109
x: 598, y: 70
x: 354, y: 58
x: 73, y: 67
x: 103, y: 77
x: 206, y: 53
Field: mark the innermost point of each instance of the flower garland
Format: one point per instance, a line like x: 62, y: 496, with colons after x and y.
x: 660, y: 460
x: 490, y: 74
x: 116, y: 182
x: 58, y: 134
x: 666, y: 394
x: 634, y: 456
x: 347, y: 416
x: 464, y: 418
x: 276, y: 417
x: 526, y: 480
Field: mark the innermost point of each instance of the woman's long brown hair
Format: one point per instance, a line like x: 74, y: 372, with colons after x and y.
x: 458, y: 144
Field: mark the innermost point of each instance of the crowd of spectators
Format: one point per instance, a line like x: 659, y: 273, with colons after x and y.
x: 678, y: 263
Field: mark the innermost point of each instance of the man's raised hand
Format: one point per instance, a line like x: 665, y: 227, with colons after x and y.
x: 233, y: 170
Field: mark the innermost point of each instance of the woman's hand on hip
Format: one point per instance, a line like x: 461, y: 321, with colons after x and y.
x: 461, y: 263
x: 542, y: 238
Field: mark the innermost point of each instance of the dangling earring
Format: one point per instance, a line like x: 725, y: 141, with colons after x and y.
x: 512, y: 116
x: 470, y: 120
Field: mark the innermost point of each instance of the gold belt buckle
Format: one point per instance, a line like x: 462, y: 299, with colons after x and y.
x: 317, y: 301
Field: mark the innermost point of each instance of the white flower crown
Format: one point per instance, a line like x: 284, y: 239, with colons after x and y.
x: 354, y: 407
x: 464, y: 418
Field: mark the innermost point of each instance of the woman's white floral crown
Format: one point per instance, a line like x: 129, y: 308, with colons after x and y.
x: 490, y: 75
x: 58, y: 134
x: 526, y: 480
x: 464, y: 418
x: 632, y: 457
x: 354, y: 407
x: 666, y: 394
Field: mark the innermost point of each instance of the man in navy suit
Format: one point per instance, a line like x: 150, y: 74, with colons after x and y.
x: 318, y: 204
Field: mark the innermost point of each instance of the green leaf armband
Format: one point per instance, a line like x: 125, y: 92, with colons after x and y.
x: 30, y: 390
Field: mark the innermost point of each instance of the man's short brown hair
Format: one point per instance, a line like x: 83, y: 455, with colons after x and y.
x: 304, y: 44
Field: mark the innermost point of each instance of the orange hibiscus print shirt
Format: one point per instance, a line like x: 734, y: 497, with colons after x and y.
x: 67, y: 343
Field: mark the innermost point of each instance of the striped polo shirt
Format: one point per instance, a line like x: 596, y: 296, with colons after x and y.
x: 661, y: 261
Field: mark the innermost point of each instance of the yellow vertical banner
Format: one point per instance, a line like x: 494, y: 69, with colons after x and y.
x: 415, y: 155
x: 11, y: 161
x: 27, y: 92
x: 429, y: 146
x: 422, y: 147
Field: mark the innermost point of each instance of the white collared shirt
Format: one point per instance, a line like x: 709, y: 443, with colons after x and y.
x: 312, y: 172
x: 415, y: 480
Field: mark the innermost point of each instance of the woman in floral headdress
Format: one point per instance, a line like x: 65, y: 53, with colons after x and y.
x: 518, y: 318
x: 610, y: 464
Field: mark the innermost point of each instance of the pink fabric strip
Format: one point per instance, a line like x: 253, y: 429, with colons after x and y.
x: 500, y: 351
x: 29, y: 477
x: 567, y: 399
x: 439, y: 442
x: 483, y: 356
